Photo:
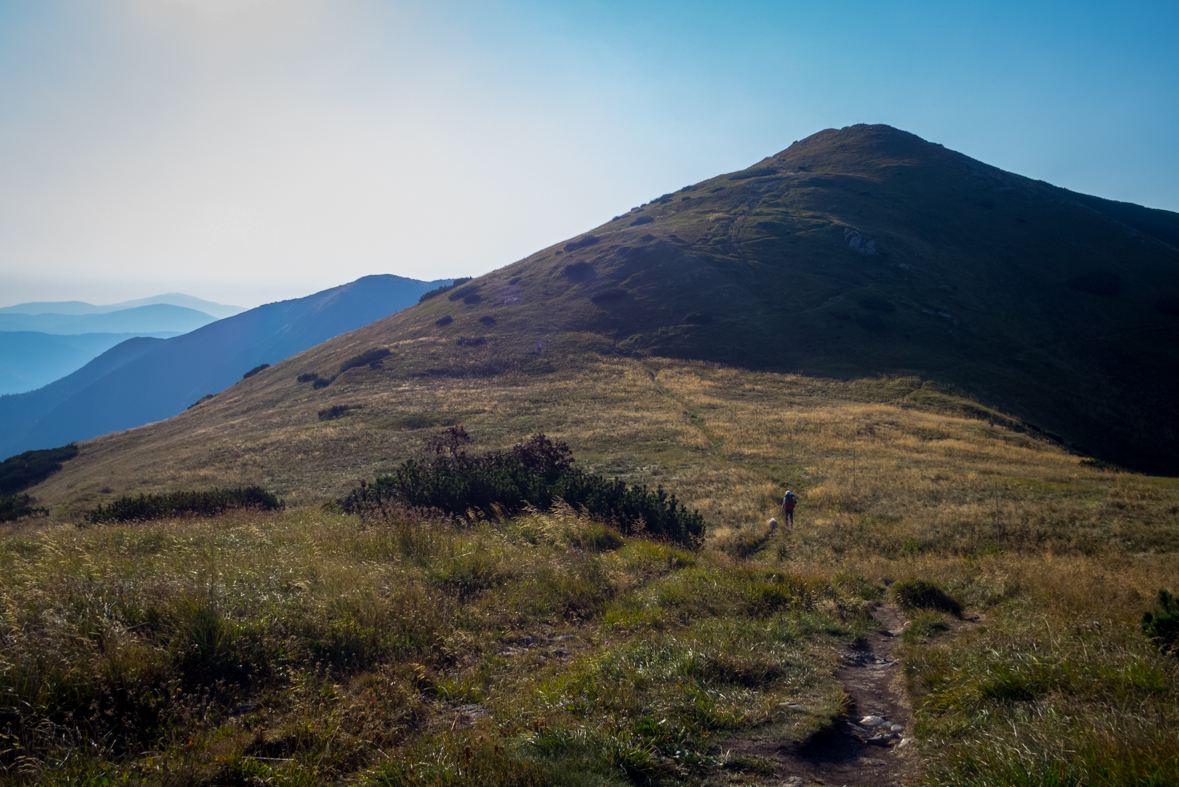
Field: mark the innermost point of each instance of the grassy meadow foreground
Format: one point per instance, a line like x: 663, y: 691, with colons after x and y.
x: 308, y: 647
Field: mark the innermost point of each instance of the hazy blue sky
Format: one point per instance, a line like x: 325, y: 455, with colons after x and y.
x: 252, y: 150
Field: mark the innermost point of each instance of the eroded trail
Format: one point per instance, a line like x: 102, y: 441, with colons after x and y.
x: 870, y: 748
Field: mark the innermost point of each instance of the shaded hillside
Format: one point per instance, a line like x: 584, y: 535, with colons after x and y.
x: 172, y: 375
x: 30, y: 360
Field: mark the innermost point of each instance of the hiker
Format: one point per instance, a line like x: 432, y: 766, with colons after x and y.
x: 788, y: 504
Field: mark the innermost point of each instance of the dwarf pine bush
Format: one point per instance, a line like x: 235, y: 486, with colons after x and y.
x: 533, y: 473
x: 205, y: 502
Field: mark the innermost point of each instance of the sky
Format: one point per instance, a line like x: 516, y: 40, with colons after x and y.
x: 248, y: 151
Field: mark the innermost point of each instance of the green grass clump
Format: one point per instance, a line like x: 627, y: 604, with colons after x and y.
x: 919, y: 594
x: 1162, y: 625
x: 204, y: 502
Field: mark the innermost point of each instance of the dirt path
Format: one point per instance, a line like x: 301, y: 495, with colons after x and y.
x: 871, y: 754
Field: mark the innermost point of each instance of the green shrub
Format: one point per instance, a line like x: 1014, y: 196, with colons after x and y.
x: 18, y: 473
x: 310, y: 377
x: 533, y: 473
x: 759, y: 172
x: 202, y: 400
x: 641, y: 220
x: 322, y: 382
x: 255, y: 370
x: 434, y: 293
x: 474, y: 341
x: 371, y: 358
x: 442, y: 322
x: 13, y: 507
x: 463, y: 293
x: 1162, y: 626
x: 487, y: 320
x: 587, y: 241
x: 913, y: 594
x: 207, y: 503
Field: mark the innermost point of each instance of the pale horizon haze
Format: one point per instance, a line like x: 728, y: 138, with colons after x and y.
x: 248, y: 151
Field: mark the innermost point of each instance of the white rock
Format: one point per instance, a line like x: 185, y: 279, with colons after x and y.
x: 871, y: 721
x: 897, y: 728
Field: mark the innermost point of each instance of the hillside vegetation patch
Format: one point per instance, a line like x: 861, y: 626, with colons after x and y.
x: 18, y: 473
x: 203, y: 502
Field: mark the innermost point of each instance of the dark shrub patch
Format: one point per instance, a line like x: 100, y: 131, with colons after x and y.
x: 919, y: 594
x: 371, y: 358
x: 697, y: 318
x: 473, y: 298
x: 588, y: 240
x: 578, y: 271
x: 442, y: 322
x: 1162, y: 626
x: 487, y: 320
x: 612, y: 294
x: 759, y: 172
x: 13, y: 507
x: 308, y: 378
x: 536, y: 473
x: 209, y: 502
x: 255, y: 370
x: 1168, y: 306
x: 514, y: 280
x: 19, y: 472
x: 434, y: 293
x: 322, y: 382
x: 1098, y: 283
x: 871, y: 322
x: 463, y: 292
x: 877, y: 304
x: 473, y: 341
x: 337, y: 411
x: 641, y: 220
x: 202, y: 400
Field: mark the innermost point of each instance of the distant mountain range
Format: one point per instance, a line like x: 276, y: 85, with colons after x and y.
x: 136, y: 320
x: 30, y: 360
x: 146, y: 380
x: 218, y: 310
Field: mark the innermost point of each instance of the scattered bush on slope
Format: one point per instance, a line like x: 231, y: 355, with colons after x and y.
x: 533, y: 473
x: 18, y: 473
x: 206, y: 503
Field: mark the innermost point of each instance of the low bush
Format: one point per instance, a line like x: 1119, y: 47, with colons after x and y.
x: 13, y: 507
x: 19, y: 472
x: 442, y: 322
x: 487, y: 320
x: 434, y: 293
x: 310, y: 377
x: 472, y: 298
x: 914, y: 594
x: 205, y: 502
x: 463, y: 292
x: 534, y: 473
x: 202, y: 400
x: 255, y: 370
x: 474, y: 341
x: 371, y: 358
x: 641, y: 220
x: 322, y: 382
x: 578, y: 271
x: 587, y: 241
x: 337, y: 411
x: 1162, y: 625
x: 759, y: 172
